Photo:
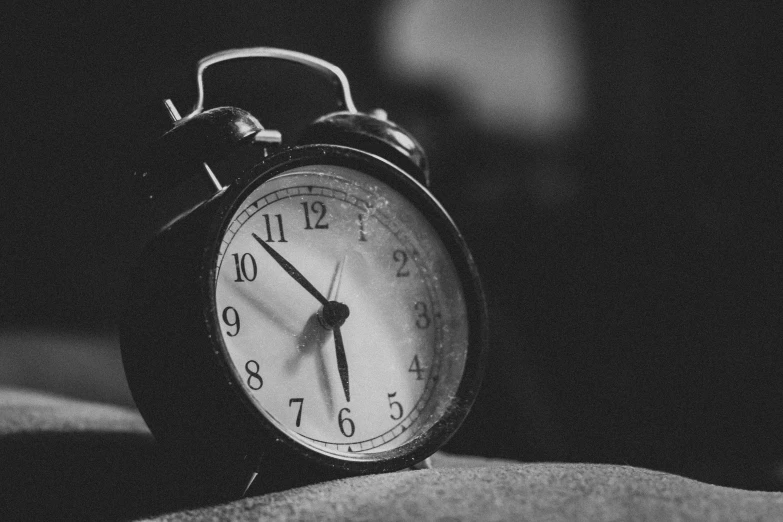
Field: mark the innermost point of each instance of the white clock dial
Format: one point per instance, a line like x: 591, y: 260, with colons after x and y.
x: 356, y: 385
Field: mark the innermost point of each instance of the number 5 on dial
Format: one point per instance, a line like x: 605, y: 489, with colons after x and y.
x: 393, y: 405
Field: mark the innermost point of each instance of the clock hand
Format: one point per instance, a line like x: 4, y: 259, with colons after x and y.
x: 333, y: 316
x: 334, y: 286
x: 342, y: 361
x: 293, y: 272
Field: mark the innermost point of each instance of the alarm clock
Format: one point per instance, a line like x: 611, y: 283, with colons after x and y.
x: 317, y: 317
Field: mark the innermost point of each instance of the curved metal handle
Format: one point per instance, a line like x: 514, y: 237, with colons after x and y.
x: 319, y: 65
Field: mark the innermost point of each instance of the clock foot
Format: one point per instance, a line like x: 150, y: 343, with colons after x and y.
x: 424, y: 464
x: 250, y: 482
x: 199, y: 482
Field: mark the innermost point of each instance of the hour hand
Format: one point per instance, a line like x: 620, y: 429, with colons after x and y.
x: 339, y: 313
x: 332, y: 317
x: 342, y: 363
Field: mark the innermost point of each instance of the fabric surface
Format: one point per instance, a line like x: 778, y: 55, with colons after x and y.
x: 64, y: 459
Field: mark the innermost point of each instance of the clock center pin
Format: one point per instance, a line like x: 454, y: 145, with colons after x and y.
x: 333, y: 315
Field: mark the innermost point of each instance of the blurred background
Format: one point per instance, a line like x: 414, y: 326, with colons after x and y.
x: 614, y: 168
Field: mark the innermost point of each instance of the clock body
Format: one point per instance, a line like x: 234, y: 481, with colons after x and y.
x: 231, y: 361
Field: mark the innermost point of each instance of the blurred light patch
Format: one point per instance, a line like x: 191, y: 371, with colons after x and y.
x: 515, y: 66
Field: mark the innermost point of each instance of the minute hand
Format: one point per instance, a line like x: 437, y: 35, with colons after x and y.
x: 292, y: 271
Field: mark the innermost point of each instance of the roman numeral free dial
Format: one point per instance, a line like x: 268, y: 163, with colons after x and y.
x: 340, y: 310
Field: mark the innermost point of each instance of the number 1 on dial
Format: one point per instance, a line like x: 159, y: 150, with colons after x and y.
x: 362, y: 235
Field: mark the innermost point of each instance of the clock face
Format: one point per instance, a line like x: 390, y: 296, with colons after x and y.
x: 341, y: 312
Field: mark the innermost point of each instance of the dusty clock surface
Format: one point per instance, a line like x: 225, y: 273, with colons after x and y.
x: 405, y: 338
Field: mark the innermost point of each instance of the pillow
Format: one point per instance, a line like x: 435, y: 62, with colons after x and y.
x: 64, y: 459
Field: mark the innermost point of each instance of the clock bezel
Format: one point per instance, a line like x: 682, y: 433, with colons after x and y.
x: 422, y: 446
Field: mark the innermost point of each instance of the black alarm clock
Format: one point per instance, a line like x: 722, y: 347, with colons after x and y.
x: 320, y: 316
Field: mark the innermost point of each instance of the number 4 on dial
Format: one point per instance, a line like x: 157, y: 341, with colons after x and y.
x: 416, y: 368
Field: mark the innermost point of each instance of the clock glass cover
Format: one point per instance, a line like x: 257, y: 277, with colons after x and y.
x: 385, y: 370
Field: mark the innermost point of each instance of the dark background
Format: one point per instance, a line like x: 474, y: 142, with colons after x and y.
x: 635, y: 306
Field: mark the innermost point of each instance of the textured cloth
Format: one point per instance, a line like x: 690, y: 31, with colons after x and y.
x: 64, y: 459
x: 510, y: 491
